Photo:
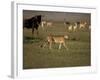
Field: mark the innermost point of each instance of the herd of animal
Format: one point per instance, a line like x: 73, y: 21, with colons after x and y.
x: 71, y: 26
x: 36, y: 21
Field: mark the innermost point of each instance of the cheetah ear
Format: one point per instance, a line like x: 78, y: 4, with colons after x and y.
x: 50, y: 34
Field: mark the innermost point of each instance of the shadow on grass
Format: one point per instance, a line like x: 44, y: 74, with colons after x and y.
x: 31, y: 39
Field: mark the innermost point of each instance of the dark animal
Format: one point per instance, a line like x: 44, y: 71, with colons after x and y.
x: 33, y: 23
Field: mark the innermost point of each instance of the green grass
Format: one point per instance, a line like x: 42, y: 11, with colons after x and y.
x: 78, y: 53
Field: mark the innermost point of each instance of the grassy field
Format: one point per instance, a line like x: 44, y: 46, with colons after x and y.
x: 78, y: 53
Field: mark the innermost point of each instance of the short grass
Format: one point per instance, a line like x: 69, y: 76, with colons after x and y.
x: 78, y: 53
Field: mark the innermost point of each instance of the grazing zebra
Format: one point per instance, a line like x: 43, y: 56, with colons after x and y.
x: 82, y: 24
x: 49, y: 24
x: 70, y: 27
x: 43, y: 23
x: 75, y: 26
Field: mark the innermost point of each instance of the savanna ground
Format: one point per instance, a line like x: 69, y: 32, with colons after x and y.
x: 78, y: 53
